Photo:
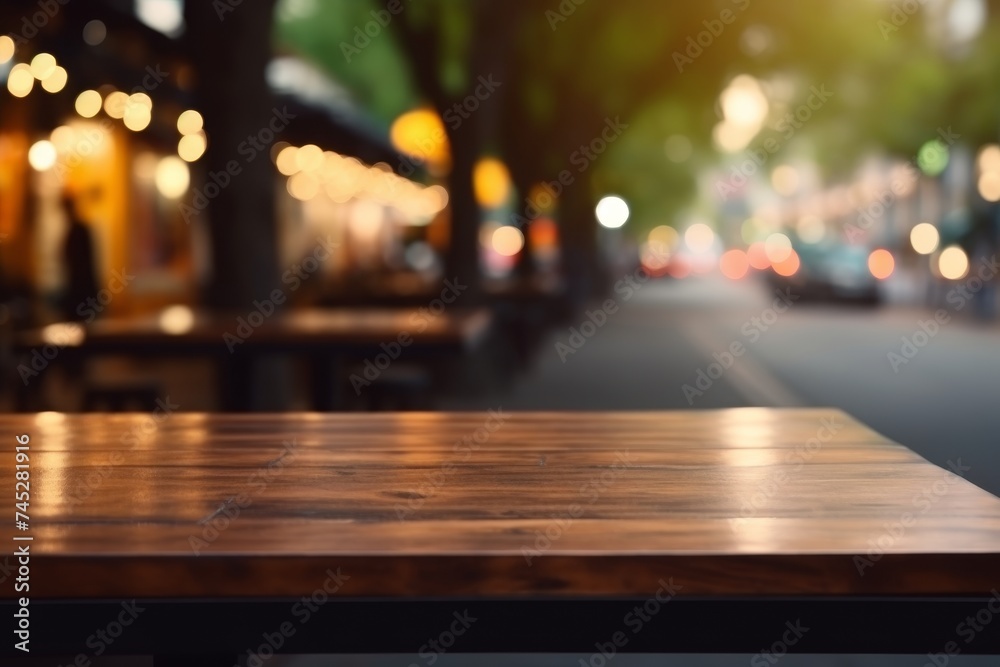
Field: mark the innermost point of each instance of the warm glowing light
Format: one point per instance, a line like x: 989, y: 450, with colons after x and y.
x: 785, y: 180
x: 654, y: 257
x: 757, y: 255
x: 663, y: 238
x: 699, y: 237
x: 191, y: 147
x: 115, y: 103
x: 787, y: 267
x: 309, y: 157
x: 491, y: 181
x: 42, y: 65
x: 612, y: 212
x: 743, y: 102
x: 810, y: 229
x: 778, y: 247
x: 42, y: 155
x: 989, y: 186
x: 88, y: 103
x: 925, y: 238
x: 7, y: 48
x: 190, y: 122
x: 734, y: 264
x: 953, y: 263
x: 55, y: 81
x: 172, y: 177
x: 507, y: 240
x: 137, y: 117
x: 989, y: 158
x: 63, y: 138
x: 732, y: 138
x: 141, y: 99
x: 20, y: 81
x: 303, y: 186
x: 881, y: 263
x: 63, y: 334
x: 287, y: 161
x: 177, y: 320
x: 421, y: 134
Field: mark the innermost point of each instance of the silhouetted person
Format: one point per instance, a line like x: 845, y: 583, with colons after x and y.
x: 78, y: 258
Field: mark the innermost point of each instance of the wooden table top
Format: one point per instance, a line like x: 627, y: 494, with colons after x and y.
x: 735, y: 502
x: 293, y: 328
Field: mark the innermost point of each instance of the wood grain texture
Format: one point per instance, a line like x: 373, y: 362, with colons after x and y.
x: 733, y: 502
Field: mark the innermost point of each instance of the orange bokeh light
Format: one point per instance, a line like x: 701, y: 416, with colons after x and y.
x: 757, y: 256
x: 881, y: 263
x: 789, y: 266
x: 734, y: 264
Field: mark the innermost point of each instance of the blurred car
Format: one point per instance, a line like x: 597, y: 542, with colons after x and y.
x: 832, y: 272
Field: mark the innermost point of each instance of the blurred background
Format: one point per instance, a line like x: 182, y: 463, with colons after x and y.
x: 526, y: 204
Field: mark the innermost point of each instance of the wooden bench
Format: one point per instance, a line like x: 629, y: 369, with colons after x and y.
x: 715, y: 531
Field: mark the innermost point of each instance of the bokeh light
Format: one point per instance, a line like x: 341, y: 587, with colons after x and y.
x: 757, y: 256
x: 778, y: 247
x: 507, y: 240
x: 191, y: 147
x: 7, y: 48
x: 190, y: 122
x: 88, y: 103
x: 881, y: 264
x: 699, y: 237
x: 925, y: 238
x: 115, y: 104
x: 734, y: 264
x: 55, y: 81
x: 789, y: 266
x: 491, y: 182
x: 953, y: 263
x: 20, y: 80
x: 989, y: 186
x: 612, y: 212
x: 42, y: 155
x: 172, y: 177
x: 42, y: 65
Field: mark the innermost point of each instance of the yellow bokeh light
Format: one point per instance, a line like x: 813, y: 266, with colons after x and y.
x: 7, y: 48
x: 192, y: 146
x: 699, y: 237
x: 20, y: 81
x: 55, y: 81
x: 989, y: 186
x: 177, y: 320
x: 88, y: 103
x: 953, y: 263
x: 491, y: 181
x: 421, y: 134
x: 137, y: 117
x: 925, y: 238
x: 141, y: 99
x: 303, y: 186
x: 778, y: 247
x: 115, y: 103
x: 42, y: 155
x: 190, y: 122
x: 989, y: 158
x: 172, y: 177
x: 309, y: 158
x: 663, y: 238
x: 287, y: 160
x: 42, y: 65
x: 507, y: 240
